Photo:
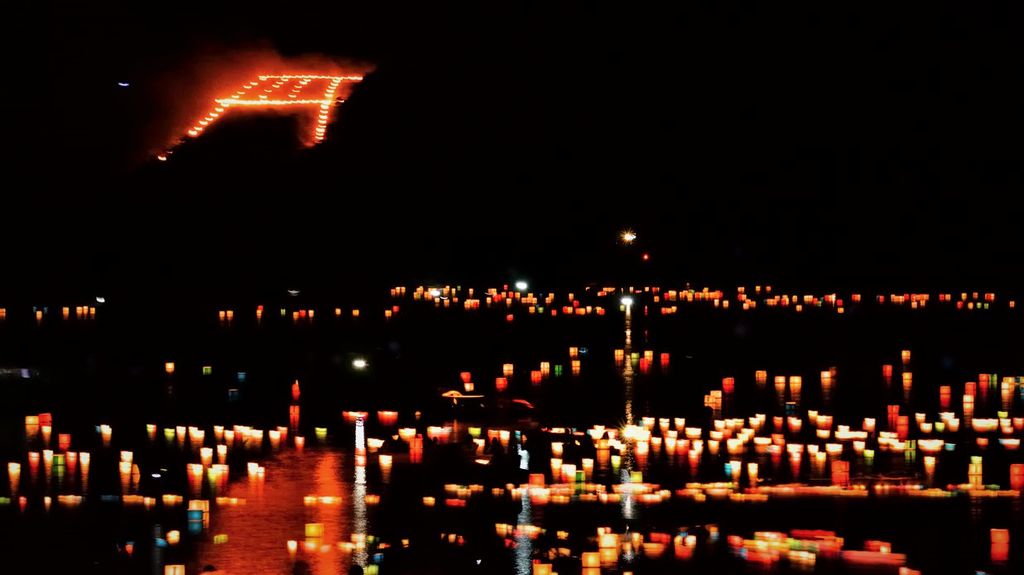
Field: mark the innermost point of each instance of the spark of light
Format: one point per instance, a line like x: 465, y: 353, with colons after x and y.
x: 524, y: 546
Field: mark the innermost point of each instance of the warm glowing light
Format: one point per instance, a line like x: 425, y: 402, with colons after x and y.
x: 628, y: 236
x: 521, y: 285
x: 627, y: 301
x: 359, y: 363
x: 280, y: 91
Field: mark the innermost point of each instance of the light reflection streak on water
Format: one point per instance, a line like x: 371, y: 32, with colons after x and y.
x: 627, y: 370
x: 274, y: 513
x: 524, y: 546
x: 359, y: 523
x: 328, y: 482
x: 628, y: 505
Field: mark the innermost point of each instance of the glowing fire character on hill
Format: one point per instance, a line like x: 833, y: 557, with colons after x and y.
x: 315, y: 91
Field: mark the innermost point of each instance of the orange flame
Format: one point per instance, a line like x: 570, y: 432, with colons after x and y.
x: 273, y: 91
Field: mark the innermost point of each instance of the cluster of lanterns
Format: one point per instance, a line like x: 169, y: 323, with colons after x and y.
x: 747, y: 458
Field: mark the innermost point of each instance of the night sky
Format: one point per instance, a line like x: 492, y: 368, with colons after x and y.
x: 819, y: 147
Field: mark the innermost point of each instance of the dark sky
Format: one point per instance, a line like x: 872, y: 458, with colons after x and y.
x: 824, y: 146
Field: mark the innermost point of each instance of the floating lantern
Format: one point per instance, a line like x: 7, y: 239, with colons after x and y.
x: 84, y: 458
x: 968, y: 406
x: 795, y: 386
x: 105, y: 434
x: 1017, y: 476
x: 416, y: 449
x: 841, y: 473
x: 275, y: 438
x: 945, y: 392
x: 760, y: 377
x: 222, y: 453
x: 14, y: 475
x: 206, y: 456
x: 314, y: 530
x: 169, y: 368
x: 780, y: 385
x: 63, y: 441
x: 974, y: 472
x: 31, y: 426
x: 542, y: 569
x: 1000, y: 545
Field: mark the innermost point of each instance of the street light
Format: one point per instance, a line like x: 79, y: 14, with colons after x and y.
x: 359, y: 363
x: 521, y: 285
x: 626, y: 300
